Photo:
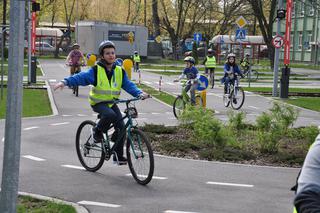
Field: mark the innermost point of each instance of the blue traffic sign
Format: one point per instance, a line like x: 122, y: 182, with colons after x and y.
x: 119, y: 62
x: 203, y: 83
x: 241, y: 33
x: 197, y: 37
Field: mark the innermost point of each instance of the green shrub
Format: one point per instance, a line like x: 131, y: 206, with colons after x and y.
x: 264, y: 122
x: 236, y: 120
x: 159, y: 129
x: 268, y: 141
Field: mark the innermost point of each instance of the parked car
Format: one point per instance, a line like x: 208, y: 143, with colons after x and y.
x: 45, y: 47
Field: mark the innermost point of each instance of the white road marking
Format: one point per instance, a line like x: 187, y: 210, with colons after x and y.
x: 173, y: 211
x: 33, y: 158
x: 253, y: 107
x: 52, y: 80
x: 66, y: 115
x: 84, y: 202
x: 170, y: 83
x: 153, y: 177
x: 73, y: 167
x: 169, y: 113
x: 58, y: 124
x: 155, y: 113
x: 95, y: 114
x: 216, y: 112
x: 32, y: 127
x: 147, y: 82
x: 229, y: 184
x: 2, y: 139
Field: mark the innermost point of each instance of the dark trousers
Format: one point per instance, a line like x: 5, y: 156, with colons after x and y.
x: 110, y: 116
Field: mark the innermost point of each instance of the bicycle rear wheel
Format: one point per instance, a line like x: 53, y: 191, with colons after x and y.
x: 90, y: 154
x: 140, y: 157
x: 178, y: 106
x: 253, y: 75
x: 237, y: 98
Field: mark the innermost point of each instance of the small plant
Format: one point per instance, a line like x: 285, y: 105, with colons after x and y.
x: 236, y: 120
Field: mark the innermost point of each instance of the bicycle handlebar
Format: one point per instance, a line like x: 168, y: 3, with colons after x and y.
x: 116, y: 101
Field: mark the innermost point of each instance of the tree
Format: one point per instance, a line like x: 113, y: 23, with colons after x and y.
x: 265, y: 21
x: 155, y: 18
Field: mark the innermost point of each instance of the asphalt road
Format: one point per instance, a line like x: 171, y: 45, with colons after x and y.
x: 49, y: 166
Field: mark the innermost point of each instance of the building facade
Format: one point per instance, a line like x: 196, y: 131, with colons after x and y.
x: 305, y: 31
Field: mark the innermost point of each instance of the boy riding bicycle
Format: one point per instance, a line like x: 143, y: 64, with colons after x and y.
x: 245, y: 63
x: 107, y: 79
x: 75, y: 59
x: 192, y: 74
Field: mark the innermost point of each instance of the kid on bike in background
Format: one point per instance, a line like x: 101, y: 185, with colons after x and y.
x: 75, y: 59
x: 230, y: 70
x: 192, y: 74
x: 210, y: 65
x: 107, y: 79
x: 136, y: 61
x: 245, y: 62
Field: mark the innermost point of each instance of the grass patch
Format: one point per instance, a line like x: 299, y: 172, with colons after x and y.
x: 306, y: 102
x: 269, y: 89
x: 32, y: 205
x: 25, y: 71
x: 166, y: 73
x: 35, y: 103
x: 163, y: 96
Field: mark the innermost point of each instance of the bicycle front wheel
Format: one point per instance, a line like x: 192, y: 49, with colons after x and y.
x: 90, y: 154
x: 237, y: 98
x: 253, y: 75
x: 226, y: 99
x: 178, y: 106
x: 140, y: 157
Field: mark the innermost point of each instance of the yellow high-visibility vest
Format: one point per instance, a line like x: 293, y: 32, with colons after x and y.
x: 211, y: 62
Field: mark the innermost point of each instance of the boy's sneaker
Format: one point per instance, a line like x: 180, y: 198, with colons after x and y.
x: 120, y: 161
x: 97, y: 135
x: 235, y: 101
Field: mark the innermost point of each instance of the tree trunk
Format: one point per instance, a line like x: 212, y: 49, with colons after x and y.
x: 155, y: 18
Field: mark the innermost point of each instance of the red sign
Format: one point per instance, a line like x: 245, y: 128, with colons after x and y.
x: 286, y: 59
x: 277, y: 41
x: 33, y: 32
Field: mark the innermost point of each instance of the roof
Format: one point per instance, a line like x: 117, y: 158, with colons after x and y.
x: 230, y: 39
x: 46, y: 31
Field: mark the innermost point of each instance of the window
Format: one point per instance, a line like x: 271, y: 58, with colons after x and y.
x: 291, y: 40
x: 308, y: 41
x: 293, y: 9
x: 302, y: 8
x: 300, y: 41
x: 311, y: 11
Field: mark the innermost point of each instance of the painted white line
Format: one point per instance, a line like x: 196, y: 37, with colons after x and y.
x: 66, y: 115
x: 155, y: 113
x: 2, y: 139
x: 73, y: 167
x: 253, y: 107
x: 146, y: 82
x: 32, y: 127
x: 95, y: 114
x: 84, y: 202
x: 153, y: 177
x: 81, y: 115
x: 173, y: 211
x: 169, y: 113
x: 52, y: 80
x: 229, y: 184
x: 216, y: 112
x: 170, y: 83
x: 33, y: 158
x: 58, y: 124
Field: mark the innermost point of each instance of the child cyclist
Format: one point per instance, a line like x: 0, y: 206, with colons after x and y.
x: 192, y: 74
x: 107, y: 79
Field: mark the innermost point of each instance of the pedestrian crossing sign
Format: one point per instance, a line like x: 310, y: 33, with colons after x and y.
x: 241, y: 33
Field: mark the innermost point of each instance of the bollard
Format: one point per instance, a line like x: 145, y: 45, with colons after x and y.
x: 139, y: 78
x: 204, y: 98
x: 160, y: 83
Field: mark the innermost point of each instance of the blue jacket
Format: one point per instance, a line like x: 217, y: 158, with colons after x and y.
x: 236, y: 69
x: 191, y: 73
x: 89, y: 77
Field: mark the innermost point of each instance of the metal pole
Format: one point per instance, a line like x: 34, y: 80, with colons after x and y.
x: 12, y: 142
x: 29, y: 42
x: 276, y: 58
x: 2, y: 61
x: 77, y: 30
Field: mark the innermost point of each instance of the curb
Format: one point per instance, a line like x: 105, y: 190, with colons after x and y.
x: 79, y: 209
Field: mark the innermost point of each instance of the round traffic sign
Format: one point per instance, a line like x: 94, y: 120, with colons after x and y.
x: 203, y: 83
x: 277, y: 41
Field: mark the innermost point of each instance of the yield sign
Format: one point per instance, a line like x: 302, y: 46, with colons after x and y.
x: 277, y: 41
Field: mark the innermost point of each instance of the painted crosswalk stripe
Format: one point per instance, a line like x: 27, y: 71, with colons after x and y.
x: 73, y: 167
x: 229, y: 184
x: 173, y: 211
x: 33, y: 158
x: 58, y: 124
x: 52, y: 80
x: 147, y: 82
x: 32, y: 127
x: 153, y: 177
x: 85, y: 202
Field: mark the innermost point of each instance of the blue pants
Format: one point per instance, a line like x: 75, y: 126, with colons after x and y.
x: 226, y: 82
x: 110, y: 116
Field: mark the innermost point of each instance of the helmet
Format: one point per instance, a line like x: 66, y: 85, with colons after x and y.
x: 135, y: 52
x: 231, y: 55
x: 190, y: 59
x: 106, y: 44
x: 210, y: 51
x: 247, y: 54
x: 75, y: 45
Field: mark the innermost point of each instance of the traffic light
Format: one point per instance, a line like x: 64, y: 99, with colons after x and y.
x: 281, y: 13
x: 35, y: 6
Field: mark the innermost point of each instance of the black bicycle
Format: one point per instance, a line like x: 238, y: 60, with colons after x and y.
x: 138, y: 148
x: 235, y: 94
x: 75, y: 69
